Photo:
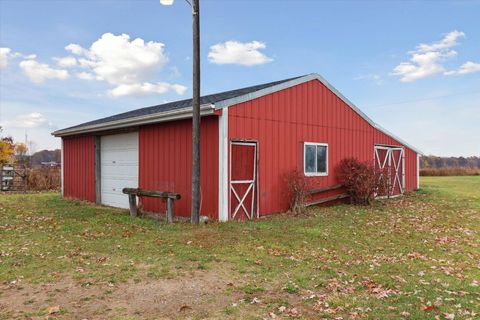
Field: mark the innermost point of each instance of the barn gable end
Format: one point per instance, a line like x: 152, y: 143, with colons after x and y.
x: 282, y: 121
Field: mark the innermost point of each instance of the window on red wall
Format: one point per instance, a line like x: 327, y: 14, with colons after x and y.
x: 315, y: 157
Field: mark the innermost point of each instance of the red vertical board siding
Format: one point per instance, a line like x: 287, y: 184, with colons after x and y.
x: 165, y: 153
x: 282, y: 121
x: 79, y: 167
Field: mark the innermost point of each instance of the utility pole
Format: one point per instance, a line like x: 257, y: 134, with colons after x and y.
x: 195, y: 218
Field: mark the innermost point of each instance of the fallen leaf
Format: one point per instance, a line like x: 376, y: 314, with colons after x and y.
x: 428, y: 308
x: 255, y: 300
x: 405, y: 314
x: 184, y: 308
x: 54, y: 309
x: 102, y: 259
x: 293, y: 312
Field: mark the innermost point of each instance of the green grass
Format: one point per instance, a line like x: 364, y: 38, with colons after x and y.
x: 462, y: 188
x: 377, y: 261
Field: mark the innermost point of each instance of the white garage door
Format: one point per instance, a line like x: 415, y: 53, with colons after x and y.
x: 119, y: 167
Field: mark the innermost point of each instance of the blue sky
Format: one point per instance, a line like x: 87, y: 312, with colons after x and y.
x: 413, y: 67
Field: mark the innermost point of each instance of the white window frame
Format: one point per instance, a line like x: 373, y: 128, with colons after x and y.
x: 315, y: 174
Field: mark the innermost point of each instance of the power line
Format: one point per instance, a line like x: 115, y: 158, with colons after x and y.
x: 425, y: 99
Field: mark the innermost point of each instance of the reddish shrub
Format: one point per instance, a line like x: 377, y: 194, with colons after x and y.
x: 298, y: 186
x: 360, y: 179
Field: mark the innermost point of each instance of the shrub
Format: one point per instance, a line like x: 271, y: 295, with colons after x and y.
x: 452, y: 171
x: 298, y: 187
x: 360, y: 180
x: 43, y: 179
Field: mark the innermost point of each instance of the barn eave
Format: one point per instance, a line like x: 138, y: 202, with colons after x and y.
x: 178, y: 114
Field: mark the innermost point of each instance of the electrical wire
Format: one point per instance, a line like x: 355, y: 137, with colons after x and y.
x: 425, y: 99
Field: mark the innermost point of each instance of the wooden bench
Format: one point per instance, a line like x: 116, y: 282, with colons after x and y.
x: 328, y: 199
x: 133, y: 193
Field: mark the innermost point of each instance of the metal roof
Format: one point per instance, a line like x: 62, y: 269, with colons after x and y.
x: 176, y: 105
x: 182, y: 109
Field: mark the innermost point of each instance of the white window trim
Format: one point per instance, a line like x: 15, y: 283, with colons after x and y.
x: 315, y: 174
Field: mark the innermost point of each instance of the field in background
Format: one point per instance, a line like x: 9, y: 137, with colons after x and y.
x: 452, y: 171
x: 415, y: 257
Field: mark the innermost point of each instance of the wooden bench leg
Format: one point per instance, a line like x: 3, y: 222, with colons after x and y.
x: 169, y: 210
x: 132, y: 200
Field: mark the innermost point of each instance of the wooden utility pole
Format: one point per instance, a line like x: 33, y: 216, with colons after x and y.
x: 195, y: 218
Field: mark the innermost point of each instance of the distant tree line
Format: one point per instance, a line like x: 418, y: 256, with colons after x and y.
x: 434, y: 162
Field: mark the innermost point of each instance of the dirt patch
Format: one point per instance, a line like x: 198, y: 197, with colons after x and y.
x: 199, y: 294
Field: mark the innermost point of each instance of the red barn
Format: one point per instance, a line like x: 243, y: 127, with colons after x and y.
x: 250, y: 138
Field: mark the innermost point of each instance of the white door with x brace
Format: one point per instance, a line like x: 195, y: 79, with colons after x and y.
x: 390, y: 161
x: 243, y: 180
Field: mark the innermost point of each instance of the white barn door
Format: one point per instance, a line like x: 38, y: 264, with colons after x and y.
x: 391, y: 162
x: 119, y: 167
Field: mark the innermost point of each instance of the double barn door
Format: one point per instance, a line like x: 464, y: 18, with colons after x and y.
x: 390, y: 162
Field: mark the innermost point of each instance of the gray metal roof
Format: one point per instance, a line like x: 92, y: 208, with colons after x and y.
x: 182, y: 109
x: 181, y: 104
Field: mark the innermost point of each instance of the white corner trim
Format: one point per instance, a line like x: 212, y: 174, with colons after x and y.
x: 418, y: 171
x: 313, y: 76
x: 223, y: 166
x: 62, y: 161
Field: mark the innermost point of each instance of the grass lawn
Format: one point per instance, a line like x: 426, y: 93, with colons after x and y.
x: 415, y: 257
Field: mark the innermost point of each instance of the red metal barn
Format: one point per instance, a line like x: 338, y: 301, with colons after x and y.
x: 250, y: 139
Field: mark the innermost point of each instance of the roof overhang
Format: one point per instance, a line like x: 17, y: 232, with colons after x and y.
x: 310, y: 77
x: 209, y: 109
x: 178, y: 114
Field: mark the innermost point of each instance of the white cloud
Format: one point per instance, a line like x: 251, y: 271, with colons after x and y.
x: 146, y: 88
x: 128, y: 65
x: 76, y: 49
x: 30, y: 57
x: 427, y: 59
x: 467, y: 67
x: 66, y: 62
x: 449, y: 41
x: 85, y: 76
x: 30, y: 120
x: 118, y: 60
x: 4, y: 55
x: 234, y: 52
x: 39, y: 72
x: 371, y: 77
